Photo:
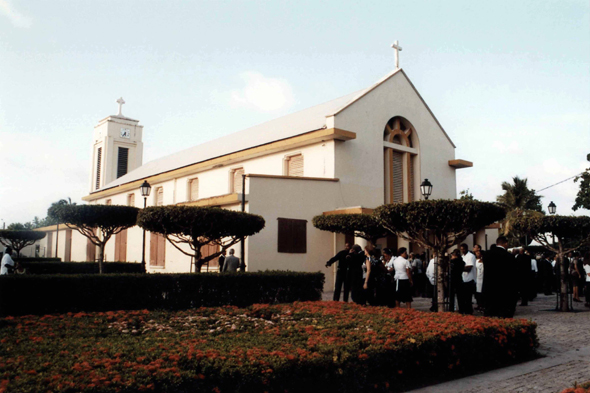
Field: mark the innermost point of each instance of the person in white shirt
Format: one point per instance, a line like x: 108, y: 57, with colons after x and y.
x: 587, y: 272
x: 431, y: 275
x: 7, y: 263
x: 467, y: 290
x: 403, y: 279
x: 479, y: 279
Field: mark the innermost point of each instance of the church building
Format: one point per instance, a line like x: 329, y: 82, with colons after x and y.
x: 348, y: 155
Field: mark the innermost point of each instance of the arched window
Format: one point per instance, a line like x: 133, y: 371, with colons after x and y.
x: 400, y: 160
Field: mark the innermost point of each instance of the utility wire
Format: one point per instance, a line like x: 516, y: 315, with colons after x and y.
x: 569, y: 178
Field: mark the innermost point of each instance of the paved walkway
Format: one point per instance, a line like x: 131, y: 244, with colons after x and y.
x: 565, y: 345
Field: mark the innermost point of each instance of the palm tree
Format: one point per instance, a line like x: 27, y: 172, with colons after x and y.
x: 518, y: 200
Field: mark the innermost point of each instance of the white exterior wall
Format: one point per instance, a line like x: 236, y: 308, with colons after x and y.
x: 360, y: 162
x: 288, y: 198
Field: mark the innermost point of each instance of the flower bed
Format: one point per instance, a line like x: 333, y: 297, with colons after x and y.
x: 582, y: 388
x: 299, y: 347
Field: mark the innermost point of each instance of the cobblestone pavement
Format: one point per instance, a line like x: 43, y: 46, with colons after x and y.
x: 564, y: 342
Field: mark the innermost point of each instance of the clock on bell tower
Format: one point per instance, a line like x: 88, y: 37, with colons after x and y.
x: 117, y: 148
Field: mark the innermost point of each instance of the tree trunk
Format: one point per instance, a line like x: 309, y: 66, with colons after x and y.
x: 563, y: 303
x: 100, y: 257
x: 440, y: 289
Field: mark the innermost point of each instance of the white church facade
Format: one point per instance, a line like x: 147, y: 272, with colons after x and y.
x: 351, y: 154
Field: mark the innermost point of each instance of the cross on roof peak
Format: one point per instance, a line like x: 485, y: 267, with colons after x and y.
x: 120, y: 101
x: 397, y: 49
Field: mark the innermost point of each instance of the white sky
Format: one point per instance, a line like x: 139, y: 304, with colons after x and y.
x: 508, y: 80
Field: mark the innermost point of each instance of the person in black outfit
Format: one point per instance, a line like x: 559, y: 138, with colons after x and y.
x: 355, y: 260
x: 546, y: 273
x: 341, y: 273
x: 499, y: 283
x: 457, y: 267
x: 221, y: 260
x: 523, y: 276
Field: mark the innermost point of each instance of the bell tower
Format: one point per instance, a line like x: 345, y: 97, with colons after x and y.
x: 116, y: 148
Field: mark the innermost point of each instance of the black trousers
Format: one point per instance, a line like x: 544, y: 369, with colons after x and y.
x: 465, y: 297
x: 341, y: 280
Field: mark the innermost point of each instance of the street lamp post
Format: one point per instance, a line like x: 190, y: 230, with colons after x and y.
x: 145, y: 189
x: 426, y: 191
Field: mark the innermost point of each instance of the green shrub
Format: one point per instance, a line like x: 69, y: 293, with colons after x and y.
x: 80, y: 267
x: 45, y: 294
x: 36, y: 259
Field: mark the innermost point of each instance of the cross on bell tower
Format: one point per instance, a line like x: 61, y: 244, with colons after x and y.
x: 397, y: 49
x: 120, y: 101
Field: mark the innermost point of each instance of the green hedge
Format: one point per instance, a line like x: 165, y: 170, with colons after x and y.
x: 80, y: 267
x: 36, y: 259
x: 46, y: 294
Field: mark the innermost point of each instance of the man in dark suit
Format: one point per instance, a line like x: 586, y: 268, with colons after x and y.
x: 232, y: 263
x: 499, y: 281
x: 341, y: 273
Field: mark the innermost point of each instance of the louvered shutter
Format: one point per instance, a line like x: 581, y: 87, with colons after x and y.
x: 411, y: 178
x: 98, y: 163
x: 122, y: 160
x: 49, y: 245
x: 397, y: 176
x: 292, y: 236
x: 194, y: 189
x: 237, y: 186
x: 295, y: 166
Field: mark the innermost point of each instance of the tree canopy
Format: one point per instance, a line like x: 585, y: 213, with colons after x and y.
x: 363, y: 225
x: 199, y: 226
x: 97, y: 222
x: 19, y: 239
x: 583, y: 196
x: 438, y: 224
x: 571, y: 233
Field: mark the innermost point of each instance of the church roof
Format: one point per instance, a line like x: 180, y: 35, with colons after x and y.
x: 284, y: 127
x: 304, y: 121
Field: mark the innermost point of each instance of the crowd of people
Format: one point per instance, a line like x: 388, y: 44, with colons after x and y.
x: 498, y: 278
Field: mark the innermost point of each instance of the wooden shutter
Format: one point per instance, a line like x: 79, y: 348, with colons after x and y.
x: 292, y: 236
x: 295, y: 165
x: 68, y: 246
x: 161, y: 261
x: 410, y: 178
x: 98, y: 162
x: 131, y: 200
x: 121, y: 246
x: 49, y: 249
x: 210, y: 249
x: 122, y: 160
x: 397, y: 176
x: 237, y: 180
x: 90, y: 251
x: 194, y: 190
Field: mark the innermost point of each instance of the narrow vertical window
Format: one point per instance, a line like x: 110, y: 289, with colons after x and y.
x: 292, y: 236
x: 131, y: 200
x: 194, y: 189
x: 122, y: 160
x: 295, y: 165
x: 98, y: 161
x: 237, y: 180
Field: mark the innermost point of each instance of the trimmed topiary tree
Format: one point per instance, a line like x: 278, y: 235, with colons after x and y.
x: 199, y: 226
x: 438, y: 224
x: 362, y: 225
x: 17, y: 240
x: 97, y: 222
x: 570, y: 232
